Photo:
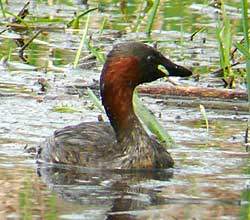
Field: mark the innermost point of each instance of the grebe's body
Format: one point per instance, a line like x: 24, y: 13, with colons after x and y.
x: 122, y: 144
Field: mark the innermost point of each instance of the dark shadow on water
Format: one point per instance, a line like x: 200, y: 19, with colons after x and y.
x: 117, y: 191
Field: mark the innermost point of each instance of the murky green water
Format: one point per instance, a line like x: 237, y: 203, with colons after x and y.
x: 212, y: 174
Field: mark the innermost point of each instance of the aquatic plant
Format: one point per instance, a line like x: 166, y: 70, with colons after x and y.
x: 151, y: 122
x: 74, y: 23
x: 64, y: 109
x: 204, y: 114
x: 25, y: 204
x: 26, y: 197
x: 95, y: 100
x: 245, y: 49
x: 83, y: 39
x: 142, y: 12
x: 2, y: 8
x: 97, y: 52
x: 51, y: 213
x: 139, y: 17
x: 104, y: 22
x: 151, y: 18
x: 224, y: 37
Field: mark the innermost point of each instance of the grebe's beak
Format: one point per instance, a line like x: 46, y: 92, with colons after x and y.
x: 171, y: 69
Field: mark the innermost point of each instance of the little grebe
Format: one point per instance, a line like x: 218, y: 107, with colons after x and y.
x: 125, y: 144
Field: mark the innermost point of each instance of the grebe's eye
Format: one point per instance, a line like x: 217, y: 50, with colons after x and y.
x: 150, y: 58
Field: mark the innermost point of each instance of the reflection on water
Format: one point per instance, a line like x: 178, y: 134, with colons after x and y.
x: 211, y: 178
x: 143, y: 194
x: 111, y: 191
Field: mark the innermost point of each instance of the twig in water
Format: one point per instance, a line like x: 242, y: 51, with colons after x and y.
x: 21, y: 51
x: 235, y: 49
x: 218, y: 71
x: 196, y: 32
x: 22, y: 14
x: 18, y: 18
x: 247, y: 144
x: 6, y: 29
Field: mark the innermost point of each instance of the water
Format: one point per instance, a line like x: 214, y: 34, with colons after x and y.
x: 211, y: 176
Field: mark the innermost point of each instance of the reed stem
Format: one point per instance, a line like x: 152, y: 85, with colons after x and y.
x: 152, y: 16
x: 84, y: 35
x: 244, y: 5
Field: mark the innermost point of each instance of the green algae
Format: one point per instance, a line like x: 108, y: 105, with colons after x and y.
x: 64, y: 109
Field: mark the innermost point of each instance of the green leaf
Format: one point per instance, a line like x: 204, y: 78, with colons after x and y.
x: 95, y: 100
x: 64, y: 109
x: 2, y: 8
x: 243, y: 50
x: 149, y: 5
x: 244, y: 5
x: 84, y: 35
x: 224, y: 36
x: 74, y: 23
x: 18, y: 18
x: 152, y: 15
x: 96, y: 52
x: 151, y: 122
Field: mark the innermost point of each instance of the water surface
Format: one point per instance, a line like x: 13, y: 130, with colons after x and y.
x: 211, y: 176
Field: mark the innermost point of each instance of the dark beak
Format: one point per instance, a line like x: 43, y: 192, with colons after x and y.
x: 174, y: 69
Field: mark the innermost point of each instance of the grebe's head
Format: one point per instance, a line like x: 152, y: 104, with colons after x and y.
x: 136, y: 63
x: 127, y: 66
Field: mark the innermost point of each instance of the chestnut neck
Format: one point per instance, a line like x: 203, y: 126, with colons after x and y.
x: 119, y: 78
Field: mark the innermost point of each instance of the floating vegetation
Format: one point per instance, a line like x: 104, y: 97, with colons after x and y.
x: 7, y: 89
x: 64, y: 108
x: 25, y: 201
